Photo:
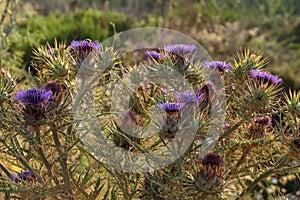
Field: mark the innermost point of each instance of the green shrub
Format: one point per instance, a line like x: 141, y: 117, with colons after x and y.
x: 92, y: 24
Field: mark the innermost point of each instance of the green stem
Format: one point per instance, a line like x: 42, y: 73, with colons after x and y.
x: 5, y: 12
x: 62, y: 161
x: 290, y: 169
x: 241, y: 160
x: 5, y: 170
x: 16, y: 145
x: 42, y: 155
x: 40, y: 150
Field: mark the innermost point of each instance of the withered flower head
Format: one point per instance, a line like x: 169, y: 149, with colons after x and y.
x: 264, y: 121
x: 54, y: 87
x: 209, y: 173
x: 208, y: 89
x: 213, y: 160
x: 256, y: 129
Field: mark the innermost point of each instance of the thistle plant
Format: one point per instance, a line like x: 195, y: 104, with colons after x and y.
x: 48, y: 152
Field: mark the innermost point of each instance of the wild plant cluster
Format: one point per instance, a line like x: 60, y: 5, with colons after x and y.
x: 256, y: 150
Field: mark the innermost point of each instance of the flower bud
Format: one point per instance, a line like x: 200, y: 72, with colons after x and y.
x: 172, y: 110
x: 209, y: 173
x: 256, y: 129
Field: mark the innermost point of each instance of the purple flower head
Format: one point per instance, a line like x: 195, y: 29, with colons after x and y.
x: 220, y: 65
x: 189, y: 97
x: 180, y: 48
x: 226, y: 125
x: 153, y: 54
x: 213, y: 160
x: 265, y: 76
x: 23, y: 175
x: 14, y: 178
x: 33, y: 95
x: 171, y: 106
x: 298, y: 125
x: 265, y: 121
x: 85, y: 44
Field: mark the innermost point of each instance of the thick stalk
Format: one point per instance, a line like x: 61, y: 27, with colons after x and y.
x: 63, y: 162
x: 42, y: 154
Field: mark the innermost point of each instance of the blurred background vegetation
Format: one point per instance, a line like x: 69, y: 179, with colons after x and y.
x: 223, y: 27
